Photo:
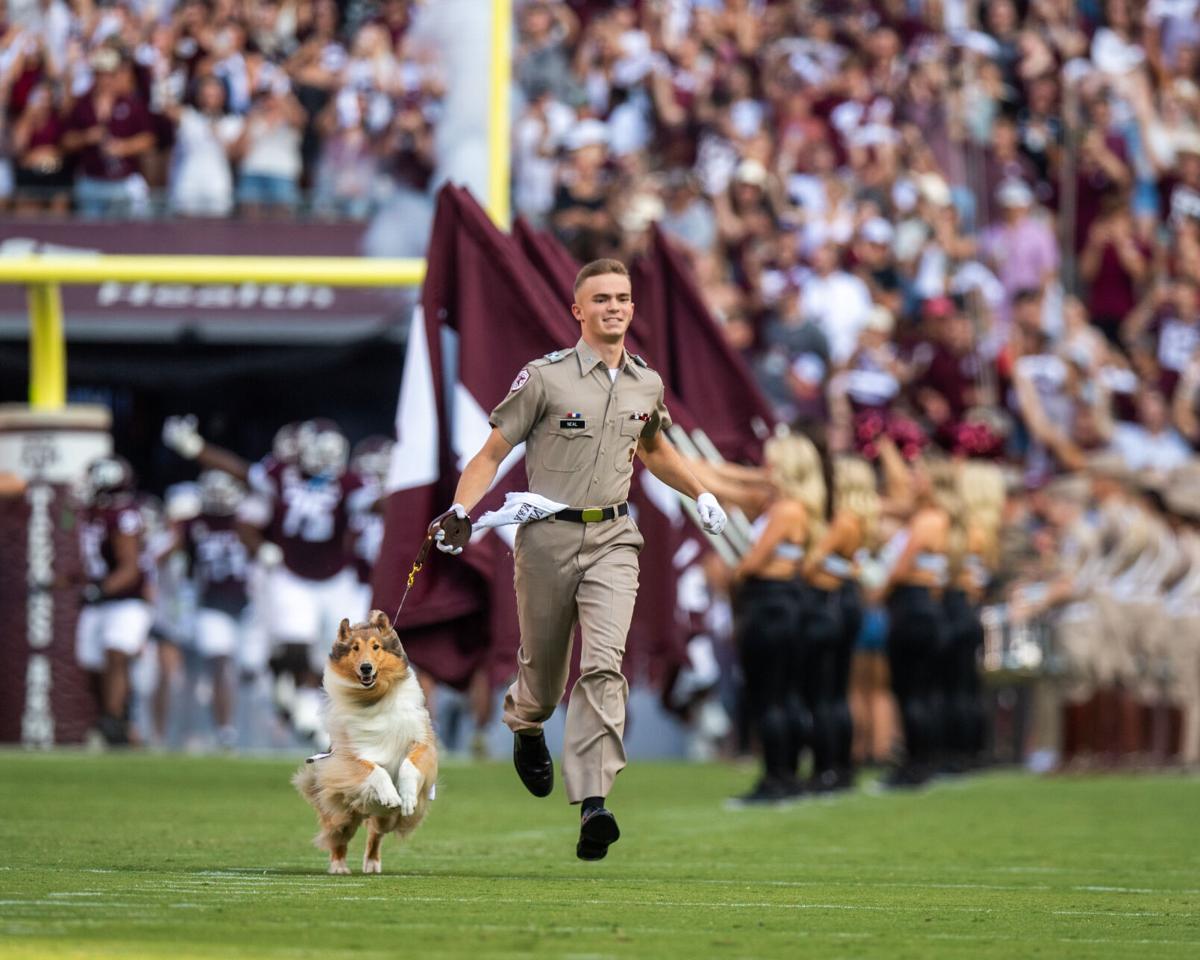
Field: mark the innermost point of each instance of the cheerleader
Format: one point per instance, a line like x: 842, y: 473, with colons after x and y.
x: 981, y: 497
x: 917, y: 558
x: 835, y: 618
x: 769, y: 612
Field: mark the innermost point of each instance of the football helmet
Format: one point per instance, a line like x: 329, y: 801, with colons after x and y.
x: 323, y: 448
x: 220, y: 493
x: 107, y: 476
x: 372, y: 457
x: 285, y: 447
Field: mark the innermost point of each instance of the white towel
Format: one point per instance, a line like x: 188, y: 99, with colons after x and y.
x: 519, y: 508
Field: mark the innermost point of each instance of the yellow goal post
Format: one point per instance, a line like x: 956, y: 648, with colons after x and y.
x: 43, y: 276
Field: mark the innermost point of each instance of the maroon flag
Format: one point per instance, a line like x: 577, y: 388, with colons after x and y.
x: 686, y: 346
x: 484, y: 314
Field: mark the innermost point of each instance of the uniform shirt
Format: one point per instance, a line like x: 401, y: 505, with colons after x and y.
x: 309, y: 516
x: 581, y: 428
x: 218, y: 560
x: 98, y: 528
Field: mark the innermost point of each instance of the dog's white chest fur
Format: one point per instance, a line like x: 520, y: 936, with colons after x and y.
x: 383, y: 732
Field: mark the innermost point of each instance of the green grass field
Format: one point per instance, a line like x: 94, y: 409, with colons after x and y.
x: 154, y: 856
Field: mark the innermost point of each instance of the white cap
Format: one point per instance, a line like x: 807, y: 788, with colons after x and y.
x: 934, y: 188
x: 880, y: 319
x: 1187, y: 141
x: 1014, y: 193
x: 809, y: 368
x: 877, y: 230
x: 586, y: 133
x: 642, y: 210
x: 752, y: 172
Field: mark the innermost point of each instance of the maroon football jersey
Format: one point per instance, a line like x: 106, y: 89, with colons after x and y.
x: 98, y: 526
x: 309, y: 519
x: 218, y: 560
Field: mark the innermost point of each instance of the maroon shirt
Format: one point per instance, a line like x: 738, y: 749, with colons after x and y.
x: 128, y: 118
x: 309, y: 519
x: 218, y: 560
x: 951, y: 375
x: 1112, y: 293
x: 98, y: 528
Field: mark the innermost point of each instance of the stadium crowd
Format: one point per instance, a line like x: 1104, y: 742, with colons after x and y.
x: 203, y: 107
x: 957, y: 242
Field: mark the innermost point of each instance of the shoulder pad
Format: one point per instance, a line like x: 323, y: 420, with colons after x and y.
x: 553, y: 357
x: 639, y: 361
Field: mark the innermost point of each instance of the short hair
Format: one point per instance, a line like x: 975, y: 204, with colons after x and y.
x: 598, y: 268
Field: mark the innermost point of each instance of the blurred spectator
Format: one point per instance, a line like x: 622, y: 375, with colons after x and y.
x: 688, y: 216
x: 268, y: 150
x: 836, y: 301
x: 108, y: 130
x: 1151, y: 443
x: 581, y: 217
x: 42, y: 178
x: 1022, y: 246
x: 202, y: 179
x: 1114, y: 263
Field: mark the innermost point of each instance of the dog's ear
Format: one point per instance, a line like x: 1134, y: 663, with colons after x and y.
x: 379, y: 620
x: 341, y: 646
x: 391, y: 642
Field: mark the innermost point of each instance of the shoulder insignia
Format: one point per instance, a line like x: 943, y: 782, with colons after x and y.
x: 639, y: 361
x: 555, y: 355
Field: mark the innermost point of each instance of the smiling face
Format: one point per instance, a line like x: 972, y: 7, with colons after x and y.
x: 604, y: 307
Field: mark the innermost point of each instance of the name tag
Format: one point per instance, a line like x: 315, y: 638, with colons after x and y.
x: 572, y: 421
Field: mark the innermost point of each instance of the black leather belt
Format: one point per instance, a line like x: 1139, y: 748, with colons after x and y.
x: 593, y: 514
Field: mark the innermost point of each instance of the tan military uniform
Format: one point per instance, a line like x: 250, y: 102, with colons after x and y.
x: 1078, y: 629
x: 581, y: 430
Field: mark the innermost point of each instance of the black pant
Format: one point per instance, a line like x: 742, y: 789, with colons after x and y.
x: 915, y: 640
x: 850, y: 598
x: 961, y: 691
x: 769, y: 614
x: 831, y: 627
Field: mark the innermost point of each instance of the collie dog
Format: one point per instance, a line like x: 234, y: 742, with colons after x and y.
x: 382, y: 764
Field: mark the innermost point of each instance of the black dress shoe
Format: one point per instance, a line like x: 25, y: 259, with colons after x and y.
x: 534, y: 765
x: 597, y: 832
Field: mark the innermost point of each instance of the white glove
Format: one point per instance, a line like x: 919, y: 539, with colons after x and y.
x: 439, y: 538
x: 712, y: 517
x: 180, y: 434
x: 269, y: 554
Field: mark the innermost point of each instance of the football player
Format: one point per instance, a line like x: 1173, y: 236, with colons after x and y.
x: 370, y: 460
x: 115, y: 621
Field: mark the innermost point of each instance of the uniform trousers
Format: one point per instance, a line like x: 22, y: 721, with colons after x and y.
x: 568, y: 574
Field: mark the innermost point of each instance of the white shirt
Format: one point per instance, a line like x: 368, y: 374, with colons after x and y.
x: 274, y: 150
x: 201, y: 181
x: 1141, y: 449
x: 839, y: 304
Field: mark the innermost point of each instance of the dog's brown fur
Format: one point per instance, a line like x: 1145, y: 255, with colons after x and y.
x: 382, y: 746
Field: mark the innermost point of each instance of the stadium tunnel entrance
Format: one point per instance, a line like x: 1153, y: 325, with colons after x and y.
x: 241, y: 393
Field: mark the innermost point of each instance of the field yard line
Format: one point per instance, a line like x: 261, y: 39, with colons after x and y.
x: 104, y: 904
x: 1110, y: 913
x: 752, y: 905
